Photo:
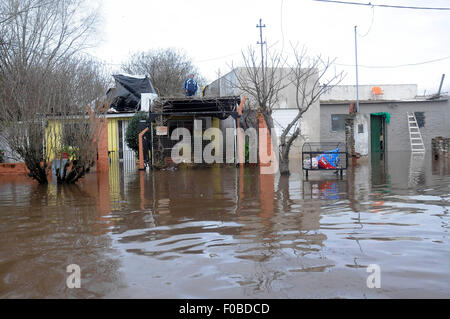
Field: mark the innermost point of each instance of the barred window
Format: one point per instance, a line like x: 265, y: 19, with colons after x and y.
x: 420, y: 117
x: 338, y: 122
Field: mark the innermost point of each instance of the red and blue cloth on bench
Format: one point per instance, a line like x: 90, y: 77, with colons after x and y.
x: 329, y: 159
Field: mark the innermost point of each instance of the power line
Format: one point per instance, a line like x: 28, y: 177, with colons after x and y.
x: 385, y: 5
x: 218, y: 58
x: 371, y: 23
x: 394, y: 66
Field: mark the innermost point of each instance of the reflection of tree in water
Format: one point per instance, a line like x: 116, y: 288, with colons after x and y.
x: 56, y: 229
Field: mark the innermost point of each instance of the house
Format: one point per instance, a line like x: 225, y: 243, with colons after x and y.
x: 132, y: 93
x: 283, y: 111
x: 196, y: 115
x: 383, y: 115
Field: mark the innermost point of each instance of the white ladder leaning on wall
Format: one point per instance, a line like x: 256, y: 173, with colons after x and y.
x: 415, y: 137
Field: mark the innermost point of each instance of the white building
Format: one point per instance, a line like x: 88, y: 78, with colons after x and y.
x: 283, y: 111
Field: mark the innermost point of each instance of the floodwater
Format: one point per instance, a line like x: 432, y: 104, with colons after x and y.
x: 226, y: 233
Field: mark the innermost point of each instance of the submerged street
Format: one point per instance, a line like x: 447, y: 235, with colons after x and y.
x: 224, y: 233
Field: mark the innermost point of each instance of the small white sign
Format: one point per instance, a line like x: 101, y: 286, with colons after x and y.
x: 161, y: 130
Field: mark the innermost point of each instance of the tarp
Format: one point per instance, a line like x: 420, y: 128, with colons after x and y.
x: 127, y: 96
x: 387, y: 116
x: 329, y: 159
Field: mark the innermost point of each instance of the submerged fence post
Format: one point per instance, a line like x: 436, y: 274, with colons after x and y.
x: 141, y: 149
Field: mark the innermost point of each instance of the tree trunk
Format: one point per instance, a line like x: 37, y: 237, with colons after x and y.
x: 36, y: 171
x: 284, y: 161
x: 284, y: 166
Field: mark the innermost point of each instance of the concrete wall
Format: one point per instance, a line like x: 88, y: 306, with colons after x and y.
x: 390, y: 92
x: 362, y: 138
x: 10, y: 156
x: 284, y: 110
x: 437, y: 121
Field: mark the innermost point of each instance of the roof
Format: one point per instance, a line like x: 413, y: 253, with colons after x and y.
x: 347, y: 102
x: 220, y: 107
x: 126, y: 96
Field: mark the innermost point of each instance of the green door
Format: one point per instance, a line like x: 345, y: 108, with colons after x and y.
x: 377, y: 134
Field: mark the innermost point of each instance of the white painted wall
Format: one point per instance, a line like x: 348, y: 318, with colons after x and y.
x: 390, y: 92
x: 362, y: 139
x: 283, y: 111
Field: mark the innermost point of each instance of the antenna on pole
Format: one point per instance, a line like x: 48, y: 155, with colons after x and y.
x: 356, y: 65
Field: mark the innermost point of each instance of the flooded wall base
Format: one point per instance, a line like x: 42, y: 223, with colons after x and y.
x: 440, y: 147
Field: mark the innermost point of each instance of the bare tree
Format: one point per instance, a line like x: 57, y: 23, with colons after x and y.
x: 167, y: 68
x: 45, y: 87
x: 311, y: 77
x: 262, y: 81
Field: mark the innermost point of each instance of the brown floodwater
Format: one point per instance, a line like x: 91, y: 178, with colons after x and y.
x: 226, y: 233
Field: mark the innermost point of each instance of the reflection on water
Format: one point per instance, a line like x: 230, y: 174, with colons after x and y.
x: 230, y: 232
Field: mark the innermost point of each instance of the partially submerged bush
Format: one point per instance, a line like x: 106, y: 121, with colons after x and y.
x: 132, y: 133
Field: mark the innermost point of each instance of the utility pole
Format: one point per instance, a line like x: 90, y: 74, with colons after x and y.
x: 356, y: 65
x: 261, y: 43
x: 260, y: 26
x: 440, y: 86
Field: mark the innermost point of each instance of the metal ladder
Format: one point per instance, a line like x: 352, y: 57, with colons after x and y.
x: 415, y: 137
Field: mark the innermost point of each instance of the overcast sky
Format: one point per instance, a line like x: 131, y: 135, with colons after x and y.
x: 213, y: 33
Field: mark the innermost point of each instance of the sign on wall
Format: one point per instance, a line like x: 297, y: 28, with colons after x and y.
x: 161, y: 130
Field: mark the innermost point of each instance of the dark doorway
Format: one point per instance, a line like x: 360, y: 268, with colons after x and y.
x: 377, y: 134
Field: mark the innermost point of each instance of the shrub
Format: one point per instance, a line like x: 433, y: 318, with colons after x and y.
x: 132, y: 133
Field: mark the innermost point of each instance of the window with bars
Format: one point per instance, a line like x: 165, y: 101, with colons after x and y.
x: 338, y: 122
x: 420, y: 118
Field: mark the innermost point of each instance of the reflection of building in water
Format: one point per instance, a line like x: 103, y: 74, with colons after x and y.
x: 440, y: 166
x: 189, y: 191
x: 378, y: 162
x: 416, y: 169
x: 114, y: 185
x: 358, y: 185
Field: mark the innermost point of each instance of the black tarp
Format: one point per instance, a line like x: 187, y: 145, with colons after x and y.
x: 127, y: 95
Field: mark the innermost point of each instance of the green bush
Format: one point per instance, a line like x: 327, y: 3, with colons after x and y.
x: 132, y: 134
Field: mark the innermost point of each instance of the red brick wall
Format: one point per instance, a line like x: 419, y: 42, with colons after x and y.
x: 102, y: 148
x: 13, y: 169
x: 264, y: 145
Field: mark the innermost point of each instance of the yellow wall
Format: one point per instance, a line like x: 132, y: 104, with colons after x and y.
x: 52, y: 138
x: 113, y: 135
x: 113, y: 138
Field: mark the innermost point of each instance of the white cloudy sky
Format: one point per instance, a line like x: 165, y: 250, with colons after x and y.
x: 213, y: 33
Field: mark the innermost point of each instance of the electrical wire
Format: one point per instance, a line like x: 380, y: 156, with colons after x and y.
x: 385, y: 5
x: 394, y: 66
x: 371, y: 23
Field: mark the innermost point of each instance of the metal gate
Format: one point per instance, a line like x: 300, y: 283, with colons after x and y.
x: 126, y: 154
